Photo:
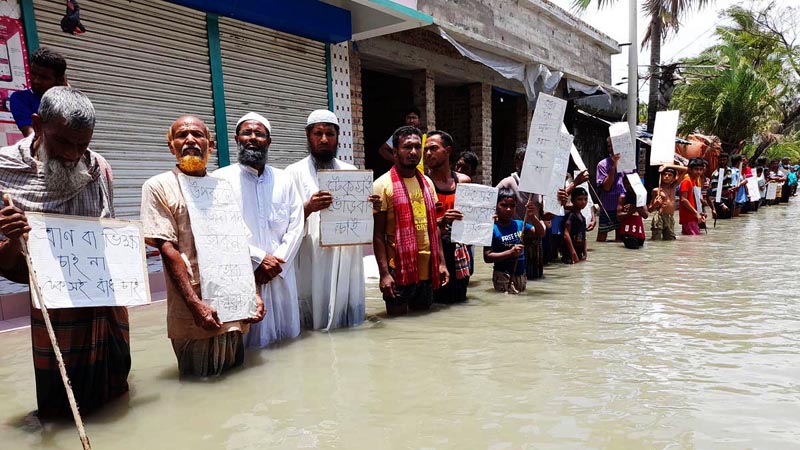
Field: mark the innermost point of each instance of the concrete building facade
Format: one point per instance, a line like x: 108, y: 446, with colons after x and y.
x: 485, y: 112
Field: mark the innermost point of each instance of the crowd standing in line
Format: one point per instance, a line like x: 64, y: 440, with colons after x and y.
x: 301, y: 284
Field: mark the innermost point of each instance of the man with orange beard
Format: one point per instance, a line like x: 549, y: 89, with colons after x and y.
x: 202, y: 343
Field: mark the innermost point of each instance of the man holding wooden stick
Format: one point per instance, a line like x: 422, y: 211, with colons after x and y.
x: 53, y: 171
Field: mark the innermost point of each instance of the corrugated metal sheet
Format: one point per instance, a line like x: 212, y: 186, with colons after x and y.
x: 143, y: 64
x: 278, y: 75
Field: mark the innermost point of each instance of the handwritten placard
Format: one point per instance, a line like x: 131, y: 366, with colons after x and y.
x: 348, y: 221
x: 478, y: 204
x: 752, y: 189
x: 543, y: 138
x: 638, y: 188
x: 772, y: 191
x: 227, y: 283
x: 663, y: 149
x: 623, y: 146
x: 84, y: 262
x: 720, y: 181
x: 559, y: 173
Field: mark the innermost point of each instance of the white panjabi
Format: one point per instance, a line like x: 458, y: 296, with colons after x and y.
x: 273, y: 213
x: 331, y: 291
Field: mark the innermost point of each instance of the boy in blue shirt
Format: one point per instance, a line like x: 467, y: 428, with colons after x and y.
x: 48, y: 69
x: 506, y: 252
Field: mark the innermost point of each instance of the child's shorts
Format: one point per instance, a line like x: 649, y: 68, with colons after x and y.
x: 504, y: 282
x: 663, y: 227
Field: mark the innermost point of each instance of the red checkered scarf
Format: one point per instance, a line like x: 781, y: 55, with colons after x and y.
x: 406, y: 269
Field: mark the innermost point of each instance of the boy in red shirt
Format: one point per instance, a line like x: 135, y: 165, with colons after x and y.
x: 691, y: 212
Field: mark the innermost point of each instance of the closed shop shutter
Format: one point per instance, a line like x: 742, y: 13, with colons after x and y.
x: 278, y: 75
x: 143, y: 64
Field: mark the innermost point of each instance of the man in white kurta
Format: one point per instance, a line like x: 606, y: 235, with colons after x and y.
x: 273, y: 213
x: 331, y: 288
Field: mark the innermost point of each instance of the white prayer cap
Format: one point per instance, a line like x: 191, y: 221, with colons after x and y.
x: 257, y: 117
x: 322, y: 116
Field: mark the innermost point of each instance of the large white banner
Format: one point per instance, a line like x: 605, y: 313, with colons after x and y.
x: 753, y: 190
x: 227, y: 282
x: 558, y: 177
x: 478, y: 204
x: 543, y: 137
x: 348, y: 221
x: 82, y: 262
x: 664, y: 131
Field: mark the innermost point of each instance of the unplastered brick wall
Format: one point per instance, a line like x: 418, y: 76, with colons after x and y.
x: 480, y: 119
x: 428, y: 39
x: 452, y: 115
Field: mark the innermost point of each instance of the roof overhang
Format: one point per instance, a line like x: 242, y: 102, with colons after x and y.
x: 371, y: 18
x: 330, y: 21
x: 498, y: 48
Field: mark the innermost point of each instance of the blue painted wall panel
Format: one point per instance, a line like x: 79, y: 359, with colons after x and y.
x: 308, y: 18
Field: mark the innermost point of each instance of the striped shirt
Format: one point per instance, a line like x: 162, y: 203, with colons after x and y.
x: 23, y: 178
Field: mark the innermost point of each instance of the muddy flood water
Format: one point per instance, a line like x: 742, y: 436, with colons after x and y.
x: 693, y: 344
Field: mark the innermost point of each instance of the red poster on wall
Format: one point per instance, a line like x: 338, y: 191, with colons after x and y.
x: 14, y: 75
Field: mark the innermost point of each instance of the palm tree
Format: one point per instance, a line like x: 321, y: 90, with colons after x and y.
x: 732, y: 100
x: 665, y: 17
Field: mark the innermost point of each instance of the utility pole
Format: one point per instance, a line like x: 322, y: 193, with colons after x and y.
x: 633, y: 70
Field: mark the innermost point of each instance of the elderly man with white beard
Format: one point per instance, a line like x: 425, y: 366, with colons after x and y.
x: 273, y: 213
x: 331, y: 288
x: 53, y: 171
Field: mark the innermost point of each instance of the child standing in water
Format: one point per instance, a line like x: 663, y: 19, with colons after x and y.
x: 690, y: 211
x: 631, y: 218
x: 575, y: 228
x: 663, y: 204
x: 506, y: 252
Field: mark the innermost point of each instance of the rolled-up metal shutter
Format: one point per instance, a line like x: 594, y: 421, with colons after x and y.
x: 143, y: 64
x: 278, y: 75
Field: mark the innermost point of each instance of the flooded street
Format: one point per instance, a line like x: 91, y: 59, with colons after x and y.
x: 686, y: 345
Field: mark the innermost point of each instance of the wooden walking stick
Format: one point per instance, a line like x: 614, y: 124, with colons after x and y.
x: 61, y: 367
x: 599, y: 201
x: 521, y: 233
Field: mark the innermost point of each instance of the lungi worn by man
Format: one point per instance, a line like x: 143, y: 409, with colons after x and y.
x: 203, y: 345
x: 55, y: 172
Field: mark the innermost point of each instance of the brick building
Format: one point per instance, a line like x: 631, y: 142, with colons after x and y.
x: 483, y: 110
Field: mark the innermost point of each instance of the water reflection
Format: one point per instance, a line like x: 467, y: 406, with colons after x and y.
x: 684, y: 345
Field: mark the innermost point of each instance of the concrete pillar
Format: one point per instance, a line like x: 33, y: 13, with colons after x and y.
x: 424, y: 89
x: 480, y: 129
x: 356, y: 108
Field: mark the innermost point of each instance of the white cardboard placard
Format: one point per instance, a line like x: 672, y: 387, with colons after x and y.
x: 88, y: 262
x: 348, y: 221
x: 543, y: 138
x: 478, y: 204
x: 227, y: 283
x: 664, y: 131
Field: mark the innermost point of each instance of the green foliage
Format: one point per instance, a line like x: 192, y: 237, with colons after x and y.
x: 731, y: 101
x: 749, y: 83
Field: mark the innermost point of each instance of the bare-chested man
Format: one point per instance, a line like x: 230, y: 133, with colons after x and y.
x: 663, y: 201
